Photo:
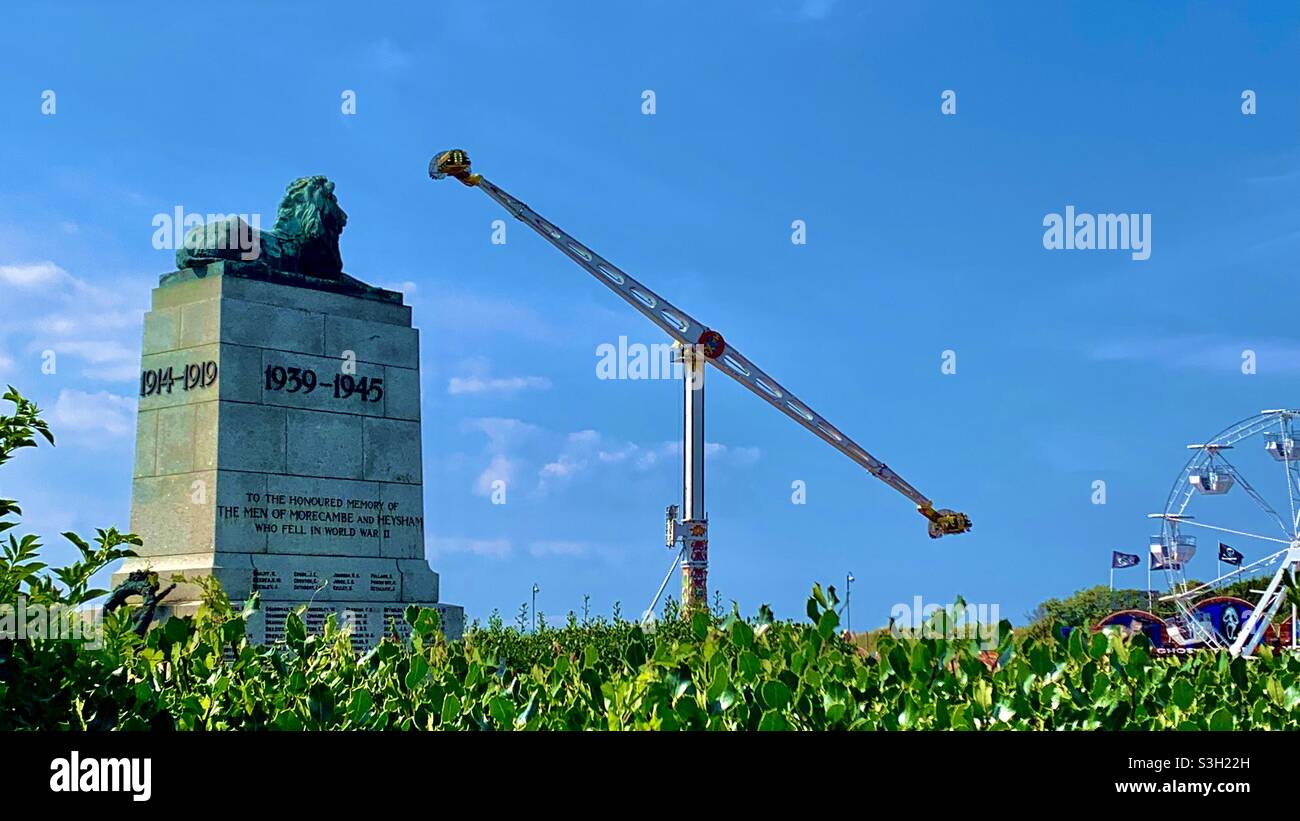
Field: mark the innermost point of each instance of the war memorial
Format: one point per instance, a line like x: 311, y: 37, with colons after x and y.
x: 278, y: 440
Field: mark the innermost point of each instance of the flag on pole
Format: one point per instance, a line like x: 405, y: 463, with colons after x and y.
x: 1228, y: 555
x: 1119, y: 561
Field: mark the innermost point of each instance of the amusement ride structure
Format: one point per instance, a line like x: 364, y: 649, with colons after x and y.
x: 1216, y: 467
x: 696, y: 345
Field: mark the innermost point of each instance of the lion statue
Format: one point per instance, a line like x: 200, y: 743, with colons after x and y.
x: 304, y: 240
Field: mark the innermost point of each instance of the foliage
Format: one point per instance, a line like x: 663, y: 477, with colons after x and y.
x: 1086, y: 607
x: 707, y: 672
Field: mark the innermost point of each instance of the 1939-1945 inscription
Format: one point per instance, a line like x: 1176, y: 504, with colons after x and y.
x: 345, y: 386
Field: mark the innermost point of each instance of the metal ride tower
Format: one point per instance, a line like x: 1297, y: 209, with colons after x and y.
x: 697, y: 346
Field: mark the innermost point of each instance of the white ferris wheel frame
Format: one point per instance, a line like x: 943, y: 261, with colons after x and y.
x: 1286, y: 424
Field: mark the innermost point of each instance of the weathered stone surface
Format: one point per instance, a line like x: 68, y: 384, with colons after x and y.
x: 268, y: 326
x: 175, y: 440
x: 418, y: 581
x: 206, y: 427
x: 402, y: 393
x: 240, y: 378
x: 165, y: 514
x: 200, y: 323
x: 324, y: 444
x: 392, y: 450
x: 377, y: 342
x: 146, y: 432
x: 251, y: 437
x: 321, y: 302
x: 161, y: 331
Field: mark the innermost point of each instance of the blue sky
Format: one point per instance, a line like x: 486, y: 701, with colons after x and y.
x: 924, y: 234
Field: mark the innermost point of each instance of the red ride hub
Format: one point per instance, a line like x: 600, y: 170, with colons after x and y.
x: 711, y: 344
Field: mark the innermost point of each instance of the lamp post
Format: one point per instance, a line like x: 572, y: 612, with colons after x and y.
x: 535, y: 590
x: 848, y: 596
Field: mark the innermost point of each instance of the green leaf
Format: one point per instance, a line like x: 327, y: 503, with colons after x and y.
x: 721, y: 681
x: 920, y: 661
x: 775, y: 694
x: 1098, y: 646
x: 359, y: 705
x: 503, y: 711
x: 1183, y: 693
x: 700, y: 625
x: 827, y: 623
x: 1276, y: 692
x: 418, y: 672
x: 772, y: 721
x: 900, y: 663
x: 1221, y: 720
x: 742, y: 635
x: 176, y: 630
x: 288, y: 721
x: 295, y: 632
x: 450, y: 709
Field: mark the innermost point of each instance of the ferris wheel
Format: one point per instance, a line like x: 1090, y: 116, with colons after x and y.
x: 1260, y: 458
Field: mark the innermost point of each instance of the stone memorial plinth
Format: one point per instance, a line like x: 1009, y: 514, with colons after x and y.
x: 278, y: 448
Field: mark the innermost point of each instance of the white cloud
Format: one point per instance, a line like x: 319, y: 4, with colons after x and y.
x: 500, y: 469
x: 68, y: 323
x: 475, y: 379
x: 720, y: 453
x: 504, y: 435
x: 38, y: 275
x: 560, y: 547
x: 405, y: 287
x: 459, y: 385
x: 1202, y: 352
x: 103, y: 412
x: 502, y: 432
x: 388, y: 56
x: 517, y: 451
x: 588, y: 450
x: 54, y: 310
x: 492, y: 548
x: 816, y: 9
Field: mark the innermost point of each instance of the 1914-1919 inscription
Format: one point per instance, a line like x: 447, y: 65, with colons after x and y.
x: 163, y: 380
